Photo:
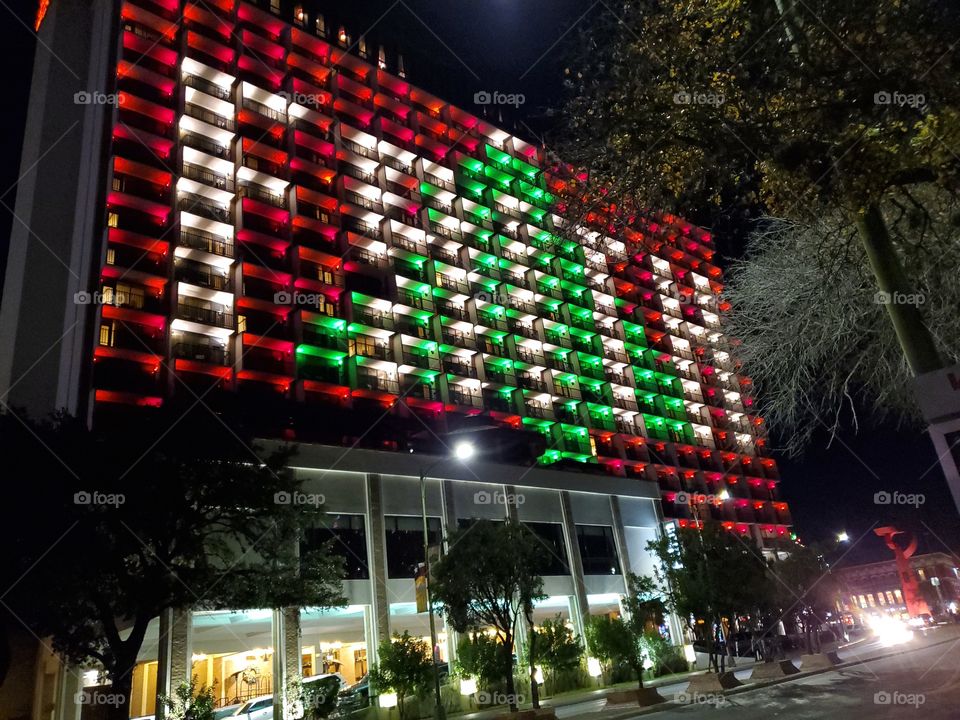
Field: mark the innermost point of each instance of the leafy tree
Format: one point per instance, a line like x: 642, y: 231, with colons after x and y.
x: 805, y: 591
x: 557, y: 649
x: 170, y: 512
x: 607, y: 640
x: 630, y: 640
x: 489, y: 577
x: 709, y: 574
x: 190, y: 702
x: 480, y: 656
x: 726, y: 111
x: 405, y: 667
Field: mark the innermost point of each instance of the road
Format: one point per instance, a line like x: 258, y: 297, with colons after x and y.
x: 920, y: 681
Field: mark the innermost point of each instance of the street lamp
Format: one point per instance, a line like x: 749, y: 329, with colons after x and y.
x: 462, y: 451
x: 842, y: 537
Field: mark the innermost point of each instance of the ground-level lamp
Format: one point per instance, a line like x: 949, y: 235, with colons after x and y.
x: 462, y: 451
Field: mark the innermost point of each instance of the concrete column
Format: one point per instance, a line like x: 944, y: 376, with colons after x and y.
x: 581, y: 609
x: 377, y: 554
x: 174, y: 652
x: 620, y: 540
x: 509, y: 491
x: 285, y: 637
x: 63, y: 698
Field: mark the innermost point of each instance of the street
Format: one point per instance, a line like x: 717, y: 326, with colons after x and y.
x: 922, y: 682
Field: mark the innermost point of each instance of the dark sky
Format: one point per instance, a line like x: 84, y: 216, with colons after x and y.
x: 456, y: 49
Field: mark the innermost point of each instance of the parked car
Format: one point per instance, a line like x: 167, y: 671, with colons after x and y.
x: 225, y: 711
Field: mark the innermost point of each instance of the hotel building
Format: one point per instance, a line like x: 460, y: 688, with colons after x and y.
x: 236, y: 204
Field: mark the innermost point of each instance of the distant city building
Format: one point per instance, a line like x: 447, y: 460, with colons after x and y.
x: 875, y: 587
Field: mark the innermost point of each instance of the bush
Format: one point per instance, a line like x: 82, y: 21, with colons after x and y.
x: 189, y: 702
x: 480, y: 656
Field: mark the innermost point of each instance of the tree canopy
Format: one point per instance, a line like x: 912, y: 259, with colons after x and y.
x: 116, y: 526
x: 489, y: 577
x: 841, y: 120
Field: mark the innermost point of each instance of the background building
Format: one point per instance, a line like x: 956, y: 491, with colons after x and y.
x: 264, y: 222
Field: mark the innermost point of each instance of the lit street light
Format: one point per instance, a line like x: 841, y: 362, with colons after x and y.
x: 843, y: 537
x: 462, y: 451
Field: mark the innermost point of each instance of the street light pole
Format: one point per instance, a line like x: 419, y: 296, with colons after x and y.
x: 463, y: 451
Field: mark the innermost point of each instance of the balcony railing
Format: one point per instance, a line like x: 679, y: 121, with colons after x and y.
x: 199, y: 240
x: 205, y: 209
x: 256, y: 193
x: 201, y: 174
x: 201, y: 142
x: 207, y: 315
x: 208, y: 116
x: 208, y: 87
x: 202, y: 353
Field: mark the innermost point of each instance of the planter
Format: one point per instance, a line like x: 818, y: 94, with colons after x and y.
x: 774, y: 669
x: 713, y: 683
x: 819, y: 661
x: 643, y: 698
x: 544, y: 713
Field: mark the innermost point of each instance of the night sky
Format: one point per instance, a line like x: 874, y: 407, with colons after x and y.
x: 456, y: 49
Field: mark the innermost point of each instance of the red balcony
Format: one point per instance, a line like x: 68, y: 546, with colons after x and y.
x: 198, y: 15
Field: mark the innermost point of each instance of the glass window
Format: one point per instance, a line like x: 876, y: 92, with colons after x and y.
x: 598, y: 551
x: 550, y: 536
x: 404, y: 537
x: 349, y: 541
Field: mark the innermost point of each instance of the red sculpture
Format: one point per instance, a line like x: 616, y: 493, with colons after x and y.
x: 909, y: 586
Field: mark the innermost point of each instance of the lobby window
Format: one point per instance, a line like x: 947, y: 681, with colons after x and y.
x: 550, y: 536
x: 348, y: 540
x: 405, y: 543
x: 597, y: 550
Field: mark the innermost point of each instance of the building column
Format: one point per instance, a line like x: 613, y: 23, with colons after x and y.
x: 521, y: 638
x: 580, y: 605
x: 285, y: 637
x: 377, y: 554
x: 174, y: 653
x: 620, y: 541
x: 62, y: 696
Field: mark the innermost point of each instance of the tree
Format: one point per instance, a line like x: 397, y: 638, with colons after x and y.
x: 725, y: 111
x: 556, y: 648
x: 117, y: 525
x: 805, y: 591
x: 479, y: 656
x: 489, y: 577
x: 629, y: 640
x: 405, y: 667
x: 814, y: 334
x: 709, y: 574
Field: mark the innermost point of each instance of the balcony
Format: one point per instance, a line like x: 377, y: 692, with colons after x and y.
x: 197, y: 274
x: 207, y: 315
x: 459, y: 396
x: 201, y: 352
x: 461, y: 369
x: 254, y: 192
x: 448, y: 337
x: 363, y: 201
x: 201, y: 174
x: 208, y: 210
x: 530, y: 382
x: 377, y: 383
x: 208, y: 87
x: 360, y: 149
x: 425, y: 362
x: 208, y: 116
x: 532, y: 358
x: 201, y: 142
x: 372, y: 318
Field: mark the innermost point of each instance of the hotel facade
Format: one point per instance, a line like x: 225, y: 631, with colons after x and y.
x: 238, y: 204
